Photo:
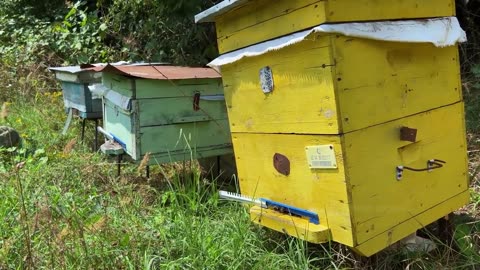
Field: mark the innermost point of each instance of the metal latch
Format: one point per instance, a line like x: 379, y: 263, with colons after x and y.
x: 266, y: 80
x: 432, y: 164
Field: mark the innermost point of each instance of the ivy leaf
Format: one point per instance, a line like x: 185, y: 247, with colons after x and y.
x: 103, y: 27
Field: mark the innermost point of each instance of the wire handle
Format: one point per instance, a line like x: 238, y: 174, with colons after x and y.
x: 432, y: 164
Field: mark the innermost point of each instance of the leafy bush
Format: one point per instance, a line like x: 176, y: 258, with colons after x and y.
x: 161, y: 31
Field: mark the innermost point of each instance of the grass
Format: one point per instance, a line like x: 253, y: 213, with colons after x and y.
x: 62, y: 207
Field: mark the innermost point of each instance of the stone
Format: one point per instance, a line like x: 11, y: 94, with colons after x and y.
x: 9, y: 137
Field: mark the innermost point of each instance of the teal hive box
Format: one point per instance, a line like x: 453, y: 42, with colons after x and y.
x: 76, y: 94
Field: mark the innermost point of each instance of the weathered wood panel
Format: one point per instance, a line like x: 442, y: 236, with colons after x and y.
x: 166, y: 111
x: 119, y: 123
x: 177, y: 88
x: 185, y: 137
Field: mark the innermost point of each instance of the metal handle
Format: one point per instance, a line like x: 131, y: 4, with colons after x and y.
x: 432, y: 164
x: 196, y: 101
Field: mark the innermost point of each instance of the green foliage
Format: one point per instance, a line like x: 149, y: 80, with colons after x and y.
x: 161, y: 31
x: 472, y: 98
x: 77, y: 38
x: 31, y: 8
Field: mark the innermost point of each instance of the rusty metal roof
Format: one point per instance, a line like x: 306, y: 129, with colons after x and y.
x: 157, y: 72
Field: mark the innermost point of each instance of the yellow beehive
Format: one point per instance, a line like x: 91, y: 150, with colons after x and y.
x: 244, y: 22
x: 339, y: 123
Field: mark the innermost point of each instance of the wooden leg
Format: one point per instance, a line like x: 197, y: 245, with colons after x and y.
x: 119, y: 164
x: 218, y: 165
x: 83, y: 129
x: 446, y: 229
x: 95, y: 146
x: 147, y: 168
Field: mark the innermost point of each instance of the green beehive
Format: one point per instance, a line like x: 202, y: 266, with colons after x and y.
x: 173, y: 113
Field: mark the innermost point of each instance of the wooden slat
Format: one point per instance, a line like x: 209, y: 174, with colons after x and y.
x: 167, y: 157
x: 261, y: 20
x: 184, y: 88
x: 120, y: 124
x: 119, y: 84
x: 402, y: 230
x: 294, y: 226
x: 361, y: 10
x: 179, y: 137
x: 165, y: 111
x: 391, y: 80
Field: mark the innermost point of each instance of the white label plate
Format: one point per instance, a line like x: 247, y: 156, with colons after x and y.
x: 321, y: 157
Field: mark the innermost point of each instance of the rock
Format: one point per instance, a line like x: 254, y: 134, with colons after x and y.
x: 9, y: 137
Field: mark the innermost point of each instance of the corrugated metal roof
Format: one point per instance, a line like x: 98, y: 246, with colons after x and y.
x: 93, y: 67
x: 82, y: 68
x: 161, y: 72
x: 217, y: 10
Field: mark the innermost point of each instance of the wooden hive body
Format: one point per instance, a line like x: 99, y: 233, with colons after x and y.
x: 245, y: 22
x: 76, y: 94
x: 353, y: 96
x: 157, y: 117
x: 324, y: 86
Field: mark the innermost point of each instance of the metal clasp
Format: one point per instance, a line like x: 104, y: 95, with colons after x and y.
x: 196, y: 101
x: 432, y: 164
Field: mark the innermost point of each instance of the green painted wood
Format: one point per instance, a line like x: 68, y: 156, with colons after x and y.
x: 179, y: 137
x: 120, y: 84
x: 177, y: 88
x: 162, y: 119
x: 155, y: 112
x: 167, y: 157
x: 118, y: 123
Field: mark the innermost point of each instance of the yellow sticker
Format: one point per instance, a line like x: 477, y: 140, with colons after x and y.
x: 321, y: 157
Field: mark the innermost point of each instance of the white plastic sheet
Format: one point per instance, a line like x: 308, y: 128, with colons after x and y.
x: 441, y: 32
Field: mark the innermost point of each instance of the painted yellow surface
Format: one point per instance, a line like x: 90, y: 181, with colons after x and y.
x: 321, y: 191
x: 356, y: 95
x: 404, y: 229
x: 386, y: 81
x: 379, y: 201
x: 362, y: 199
x: 248, y: 24
x: 291, y: 225
x: 302, y: 100
x: 261, y: 20
x: 391, y: 80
